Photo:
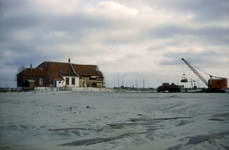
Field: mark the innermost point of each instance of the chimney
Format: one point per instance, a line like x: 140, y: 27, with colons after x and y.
x: 48, y: 68
x: 31, y: 67
x: 69, y: 60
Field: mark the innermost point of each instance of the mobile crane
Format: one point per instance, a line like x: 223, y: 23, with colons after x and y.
x: 214, y: 84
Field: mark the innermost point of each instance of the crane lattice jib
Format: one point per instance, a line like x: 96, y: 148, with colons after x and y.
x: 196, y: 72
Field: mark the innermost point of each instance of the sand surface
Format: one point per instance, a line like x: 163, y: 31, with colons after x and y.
x: 114, y: 120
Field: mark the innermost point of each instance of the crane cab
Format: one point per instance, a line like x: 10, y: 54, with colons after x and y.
x: 217, y: 83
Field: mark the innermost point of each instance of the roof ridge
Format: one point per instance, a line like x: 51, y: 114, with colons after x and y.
x: 55, y: 62
x: 70, y: 63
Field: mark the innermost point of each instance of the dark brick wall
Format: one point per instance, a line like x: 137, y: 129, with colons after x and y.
x: 21, y: 80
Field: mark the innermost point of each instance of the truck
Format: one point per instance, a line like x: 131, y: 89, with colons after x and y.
x: 169, y: 87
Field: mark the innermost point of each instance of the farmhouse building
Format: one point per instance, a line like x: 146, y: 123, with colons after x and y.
x: 59, y: 74
x: 32, y: 77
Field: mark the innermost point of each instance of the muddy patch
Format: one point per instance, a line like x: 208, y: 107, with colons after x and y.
x: 98, y: 140
x: 154, y: 119
x: 121, y: 125
x: 201, y: 138
x: 216, y: 119
x: 177, y: 147
x: 74, y: 129
x: 221, y: 115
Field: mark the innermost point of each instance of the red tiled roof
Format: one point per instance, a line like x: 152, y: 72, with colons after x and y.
x: 35, y: 71
x: 57, y: 68
x: 67, y: 73
x: 87, y: 70
x: 59, y: 79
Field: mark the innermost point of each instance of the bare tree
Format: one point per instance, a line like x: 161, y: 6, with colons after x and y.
x: 20, y: 68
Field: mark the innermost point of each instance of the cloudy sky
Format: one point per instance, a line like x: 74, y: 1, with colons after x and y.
x: 130, y: 41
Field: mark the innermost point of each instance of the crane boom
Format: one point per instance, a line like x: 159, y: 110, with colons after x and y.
x: 196, y: 72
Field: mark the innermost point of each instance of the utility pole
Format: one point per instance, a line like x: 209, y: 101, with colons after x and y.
x: 6, y: 83
x: 122, y: 81
x: 118, y: 80
x: 113, y: 82
x: 198, y: 83
x: 143, y: 83
x: 137, y: 81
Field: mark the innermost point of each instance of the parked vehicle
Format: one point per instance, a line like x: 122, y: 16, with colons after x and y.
x: 169, y: 87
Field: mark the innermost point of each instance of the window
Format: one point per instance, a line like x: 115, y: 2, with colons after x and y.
x: 51, y: 82
x: 94, y: 84
x: 41, y: 81
x: 73, y: 81
x: 67, y: 81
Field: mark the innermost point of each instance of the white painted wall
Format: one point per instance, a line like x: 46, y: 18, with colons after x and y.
x: 60, y: 83
x: 70, y: 81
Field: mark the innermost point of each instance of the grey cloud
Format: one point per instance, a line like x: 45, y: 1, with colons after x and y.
x: 204, y: 10
x: 42, y: 23
x: 156, y: 48
x: 170, y: 62
x: 207, y: 35
x: 168, y: 31
x: 122, y: 39
x: 214, y: 35
x: 205, y: 59
x: 25, y: 59
x: 132, y: 56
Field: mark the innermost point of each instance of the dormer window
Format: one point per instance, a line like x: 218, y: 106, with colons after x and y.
x: 96, y: 68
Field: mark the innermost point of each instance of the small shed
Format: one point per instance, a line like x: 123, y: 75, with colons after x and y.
x: 31, y: 84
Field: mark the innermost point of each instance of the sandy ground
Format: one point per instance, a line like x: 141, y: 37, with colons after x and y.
x: 114, y: 120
